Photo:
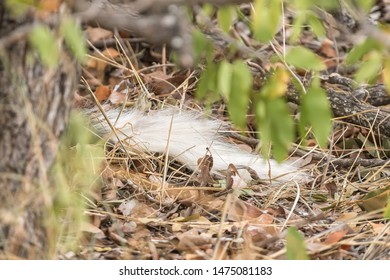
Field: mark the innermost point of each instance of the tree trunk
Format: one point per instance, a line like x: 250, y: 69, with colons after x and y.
x: 34, y: 107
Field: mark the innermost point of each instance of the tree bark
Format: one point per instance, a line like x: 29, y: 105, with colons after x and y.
x: 352, y: 110
x: 34, y: 104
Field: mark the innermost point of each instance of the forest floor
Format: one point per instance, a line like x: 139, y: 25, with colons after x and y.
x: 339, y: 213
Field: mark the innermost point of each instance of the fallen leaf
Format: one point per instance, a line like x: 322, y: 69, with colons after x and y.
x: 110, y: 53
x: 95, y: 34
x: 87, y: 227
x: 378, y: 228
x: 194, y: 239
x: 233, y: 178
x: 336, y: 236
x: 375, y: 200
x: 102, y: 93
x: 295, y: 245
x: 126, y: 207
x: 265, y: 219
x: 204, y: 168
x: 347, y: 216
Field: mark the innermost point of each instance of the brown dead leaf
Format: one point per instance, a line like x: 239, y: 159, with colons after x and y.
x: 233, y: 178
x: 50, y: 5
x: 375, y: 200
x: 332, y: 188
x: 157, y: 75
x: 347, y: 216
x: 110, y: 53
x: 194, y: 239
x: 335, y: 237
x: 192, y: 257
x: 166, y: 86
x: 185, y: 196
x: 242, y: 211
x: 204, y: 168
x: 129, y: 227
x: 255, y: 233
x: 312, y: 143
x: 378, y: 228
x: 265, y: 219
x: 327, y: 48
x: 90, y: 228
x: 177, y: 227
x: 101, y: 64
x: 102, y: 93
x: 95, y: 34
x: 46, y: 7
x: 193, y: 217
x: 213, y: 203
x: 127, y: 207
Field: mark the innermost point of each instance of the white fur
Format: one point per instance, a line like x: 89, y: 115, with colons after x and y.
x: 186, y: 135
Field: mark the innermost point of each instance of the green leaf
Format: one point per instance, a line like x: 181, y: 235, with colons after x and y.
x: 266, y: 19
x: 74, y: 38
x: 207, y: 86
x: 44, y: 41
x: 369, y: 70
x: 226, y: 16
x: 316, y: 25
x: 241, y: 88
x: 358, y: 51
x: 295, y: 247
x: 201, y: 44
x: 328, y: 5
x: 275, y: 126
x: 304, y: 58
x: 282, y: 127
x: 18, y: 7
x: 315, y: 111
x: 386, y: 213
x: 207, y: 9
x: 386, y: 73
x: 365, y: 5
x: 276, y: 85
x: 225, y: 73
x: 297, y: 26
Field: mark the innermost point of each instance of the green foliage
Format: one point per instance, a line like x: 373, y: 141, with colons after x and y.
x: 295, y: 247
x: 358, y: 51
x: 202, y: 46
x: 273, y: 116
x: 233, y: 82
x: 386, y: 73
x: 44, y: 41
x: 316, y: 25
x: 386, y: 213
x: 369, y: 70
x: 74, y: 38
x: 304, y: 58
x: 17, y: 7
x: 225, y: 74
x: 315, y: 112
x: 275, y: 126
x: 363, y: 5
x: 305, y: 16
x: 75, y: 173
x: 266, y: 19
x: 240, y: 90
x: 226, y: 15
x: 369, y: 56
x: 207, y: 87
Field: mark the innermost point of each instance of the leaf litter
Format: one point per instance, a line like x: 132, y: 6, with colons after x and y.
x: 142, y: 214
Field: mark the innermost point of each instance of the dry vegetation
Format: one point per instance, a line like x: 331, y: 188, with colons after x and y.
x: 142, y: 211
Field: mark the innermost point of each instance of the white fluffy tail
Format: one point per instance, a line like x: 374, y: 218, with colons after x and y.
x: 186, y: 136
